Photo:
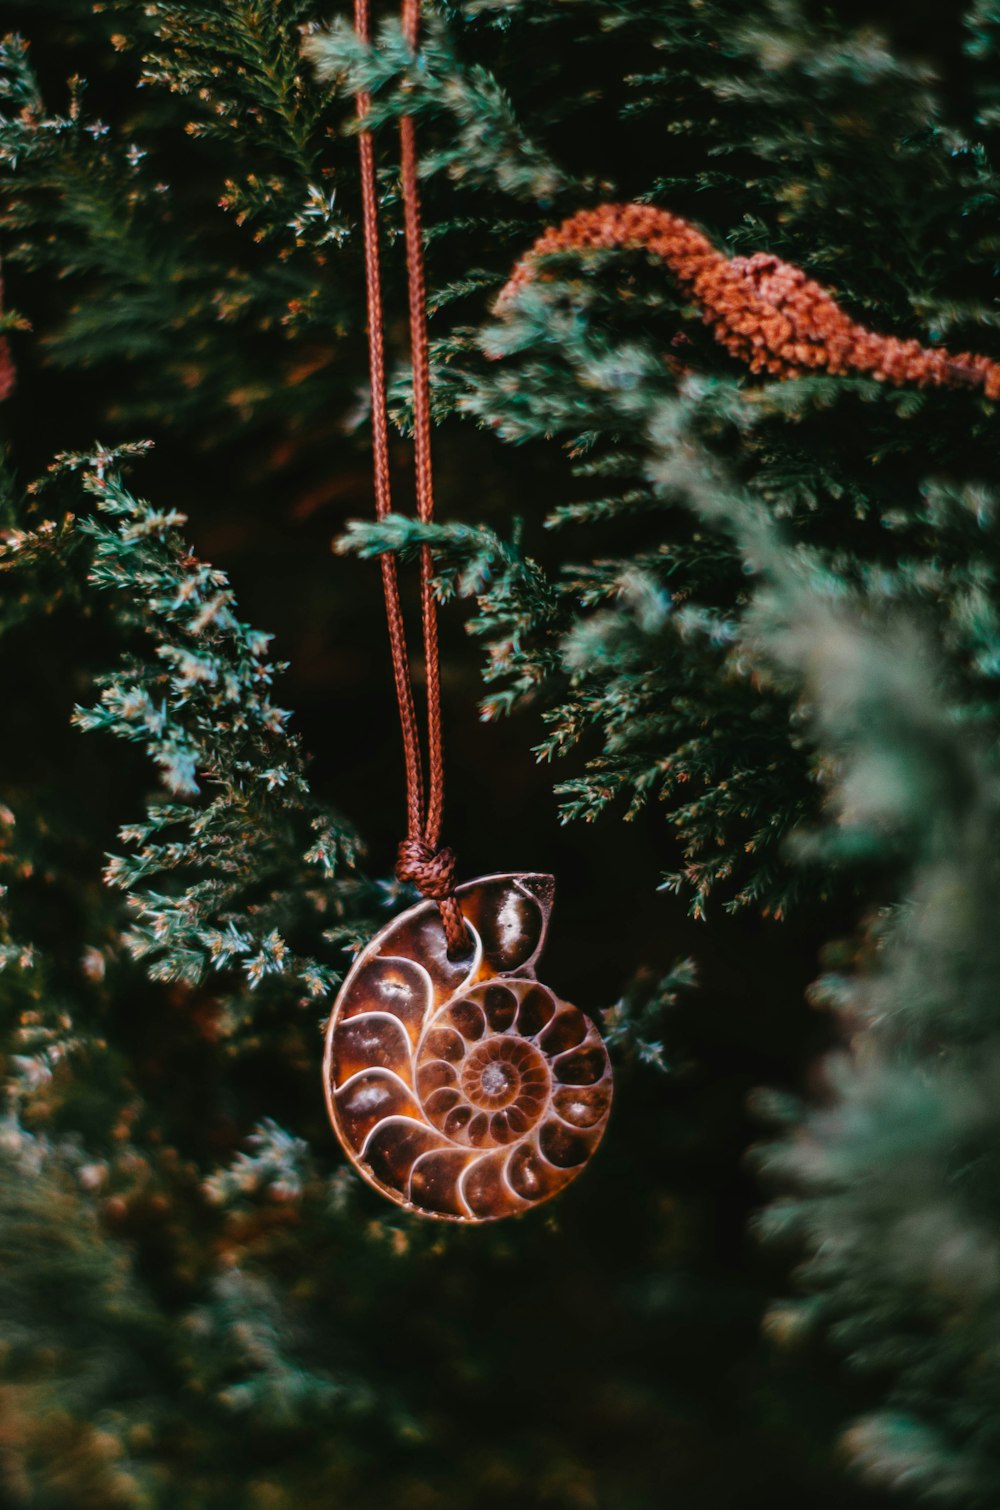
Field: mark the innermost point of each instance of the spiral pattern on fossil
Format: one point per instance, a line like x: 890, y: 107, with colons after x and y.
x: 465, y: 1090
x: 765, y: 312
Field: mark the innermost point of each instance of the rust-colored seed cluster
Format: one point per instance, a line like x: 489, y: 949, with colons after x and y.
x: 465, y: 1089
x: 765, y: 312
x: 8, y: 372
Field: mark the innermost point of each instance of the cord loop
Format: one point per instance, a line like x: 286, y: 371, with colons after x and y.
x: 431, y: 871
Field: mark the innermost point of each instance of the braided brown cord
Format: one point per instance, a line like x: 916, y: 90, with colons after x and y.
x: 432, y: 870
x: 422, y: 440
x: 420, y: 860
x: 765, y: 312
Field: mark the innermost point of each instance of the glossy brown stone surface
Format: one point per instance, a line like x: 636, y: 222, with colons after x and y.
x: 466, y: 1090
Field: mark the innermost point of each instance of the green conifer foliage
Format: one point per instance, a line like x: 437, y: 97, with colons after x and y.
x: 589, y: 357
x: 758, y: 619
x: 201, y: 707
x: 886, y: 1181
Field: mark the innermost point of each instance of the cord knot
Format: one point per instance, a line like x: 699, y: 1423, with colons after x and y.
x: 431, y: 871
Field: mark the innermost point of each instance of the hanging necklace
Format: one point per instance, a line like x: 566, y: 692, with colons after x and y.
x: 459, y: 1085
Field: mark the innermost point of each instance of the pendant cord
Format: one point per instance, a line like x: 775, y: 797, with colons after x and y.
x: 421, y: 858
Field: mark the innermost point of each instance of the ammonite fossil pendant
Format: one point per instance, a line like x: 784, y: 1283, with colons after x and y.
x: 465, y: 1090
